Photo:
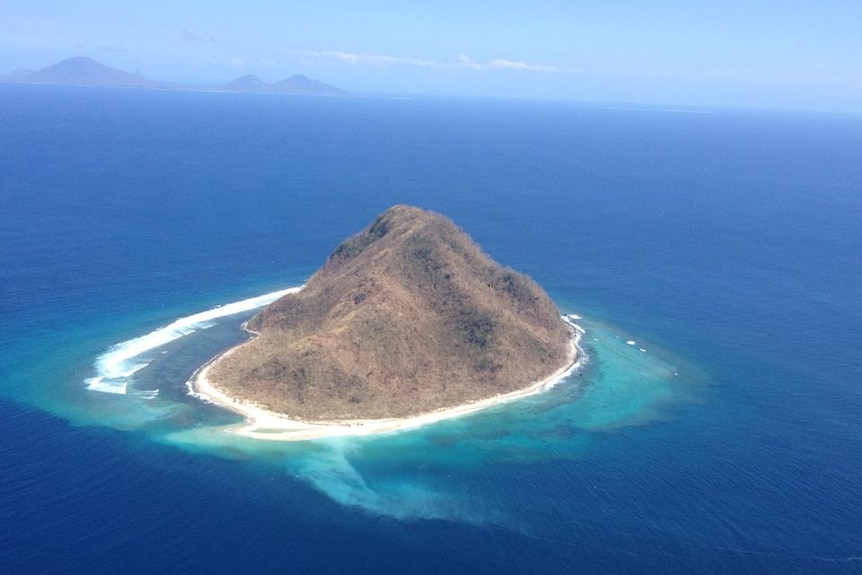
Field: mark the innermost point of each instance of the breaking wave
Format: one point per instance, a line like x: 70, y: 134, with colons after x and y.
x: 115, y: 367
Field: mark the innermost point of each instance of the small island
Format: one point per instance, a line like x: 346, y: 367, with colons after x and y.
x: 408, y: 322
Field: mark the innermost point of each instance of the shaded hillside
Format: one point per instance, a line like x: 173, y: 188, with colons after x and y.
x: 407, y: 316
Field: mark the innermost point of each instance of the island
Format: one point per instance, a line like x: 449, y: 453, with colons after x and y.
x: 83, y: 71
x: 297, y: 85
x: 408, y: 322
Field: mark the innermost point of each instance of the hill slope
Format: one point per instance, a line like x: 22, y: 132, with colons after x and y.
x: 406, y: 317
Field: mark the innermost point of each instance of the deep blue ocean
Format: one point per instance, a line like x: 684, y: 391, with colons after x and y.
x: 726, y: 244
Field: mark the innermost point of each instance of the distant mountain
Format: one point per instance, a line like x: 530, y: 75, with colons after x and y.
x: 300, y: 84
x: 82, y: 71
x: 295, y: 85
x: 248, y: 83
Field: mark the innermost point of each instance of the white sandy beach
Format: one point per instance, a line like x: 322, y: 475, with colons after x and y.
x: 271, y: 426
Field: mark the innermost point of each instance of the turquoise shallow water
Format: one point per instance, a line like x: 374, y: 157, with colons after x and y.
x: 725, y: 244
x: 620, y: 384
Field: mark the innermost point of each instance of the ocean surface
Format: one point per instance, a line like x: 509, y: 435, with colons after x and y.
x: 713, y: 255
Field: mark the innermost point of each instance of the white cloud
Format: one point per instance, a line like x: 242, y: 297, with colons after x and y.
x: 466, y: 61
x: 238, y: 62
x: 357, y: 59
x: 459, y: 61
x: 501, y: 64
x: 345, y: 57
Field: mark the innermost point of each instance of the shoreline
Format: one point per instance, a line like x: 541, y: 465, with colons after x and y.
x: 272, y: 426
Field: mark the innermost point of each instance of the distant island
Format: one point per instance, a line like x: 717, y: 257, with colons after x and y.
x: 406, y: 318
x: 82, y: 71
x: 297, y: 84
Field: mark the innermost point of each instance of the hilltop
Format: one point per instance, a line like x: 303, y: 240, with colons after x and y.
x: 406, y: 317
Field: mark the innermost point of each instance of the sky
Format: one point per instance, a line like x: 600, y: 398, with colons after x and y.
x: 776, y: 54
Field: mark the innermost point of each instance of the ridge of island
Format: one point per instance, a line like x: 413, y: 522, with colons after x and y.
x: 408, y: 322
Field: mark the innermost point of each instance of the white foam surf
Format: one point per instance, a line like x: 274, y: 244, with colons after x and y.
x: 115, y: 367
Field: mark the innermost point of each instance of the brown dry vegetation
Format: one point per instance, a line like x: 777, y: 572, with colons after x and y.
x: 407, y: 316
